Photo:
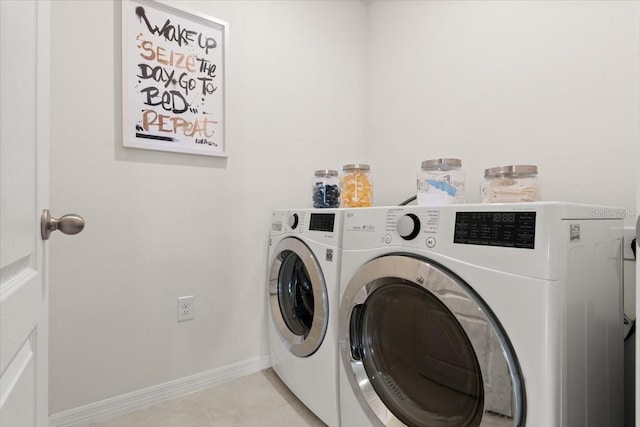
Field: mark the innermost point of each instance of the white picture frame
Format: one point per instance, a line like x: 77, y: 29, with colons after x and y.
x: 173, y: 79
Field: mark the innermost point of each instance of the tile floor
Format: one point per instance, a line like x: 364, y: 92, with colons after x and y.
x: 259, y: 399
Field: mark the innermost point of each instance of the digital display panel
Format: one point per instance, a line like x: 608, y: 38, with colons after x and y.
x: 322, y: 222
x: 507, y: 229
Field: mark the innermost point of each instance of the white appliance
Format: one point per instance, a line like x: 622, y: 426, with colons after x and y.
x: 303, y: 286
x: 482, y: 315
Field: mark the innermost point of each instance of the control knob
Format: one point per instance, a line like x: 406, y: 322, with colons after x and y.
x: 408, y: 226
x: 293, y: 221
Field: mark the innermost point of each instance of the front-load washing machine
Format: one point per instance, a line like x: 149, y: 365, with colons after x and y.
x: 482, y: 315
x: 303, y: 291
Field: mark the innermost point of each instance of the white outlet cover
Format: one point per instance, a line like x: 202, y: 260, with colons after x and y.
x: 186, y: 308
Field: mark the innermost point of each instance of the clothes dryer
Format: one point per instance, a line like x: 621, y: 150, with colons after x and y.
x: 303, y: 291
x: 482, y: 315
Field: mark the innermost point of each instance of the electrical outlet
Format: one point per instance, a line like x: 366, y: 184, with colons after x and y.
x: 186, y: 308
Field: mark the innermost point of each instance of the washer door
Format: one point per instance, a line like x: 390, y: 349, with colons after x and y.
x: 421, y: 349
x: 298, y: 297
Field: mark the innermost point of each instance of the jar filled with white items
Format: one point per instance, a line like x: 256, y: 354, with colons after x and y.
x: 510, y: 184
x: 440, y: 182
x: 326, y: 189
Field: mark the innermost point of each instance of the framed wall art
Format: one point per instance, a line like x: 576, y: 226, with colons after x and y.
x: 173, y: 79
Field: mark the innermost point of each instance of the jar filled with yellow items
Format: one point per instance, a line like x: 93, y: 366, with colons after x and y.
x: 356, y: 189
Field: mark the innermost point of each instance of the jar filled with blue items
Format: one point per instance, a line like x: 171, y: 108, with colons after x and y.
x: 440, y: 182
x: 326, y: 189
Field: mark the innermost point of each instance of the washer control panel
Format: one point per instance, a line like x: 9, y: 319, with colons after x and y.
x: 293, y: 221
x: 319, y: 225
x: 408, y: 226
x: 322, y: 222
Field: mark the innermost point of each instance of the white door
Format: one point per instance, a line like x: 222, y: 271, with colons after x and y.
x: 637, y: 284
x: 24, y: 192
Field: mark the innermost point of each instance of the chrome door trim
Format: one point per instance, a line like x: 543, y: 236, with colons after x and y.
x: 296, y: 344
x: 456, y: 295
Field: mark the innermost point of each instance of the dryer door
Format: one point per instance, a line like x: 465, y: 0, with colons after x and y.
x: 298, y: 297
x: 421, y: 348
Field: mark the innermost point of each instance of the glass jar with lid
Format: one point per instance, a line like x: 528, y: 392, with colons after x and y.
x: 514, y: 183
x: 356, y: 188
x: 326, y: 189
x: 440, y: 182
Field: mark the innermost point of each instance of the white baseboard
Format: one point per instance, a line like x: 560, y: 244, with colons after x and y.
x: 125, y: 403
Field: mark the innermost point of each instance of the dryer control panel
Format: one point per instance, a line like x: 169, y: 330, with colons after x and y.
x: 525, y: 239
x: 507, y: 229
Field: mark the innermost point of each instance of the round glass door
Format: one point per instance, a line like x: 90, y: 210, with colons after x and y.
x: 298, y: 297
x: 425, y: 350
x: 295, y: 294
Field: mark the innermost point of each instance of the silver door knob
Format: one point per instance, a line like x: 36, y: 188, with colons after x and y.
x: 68, y: 224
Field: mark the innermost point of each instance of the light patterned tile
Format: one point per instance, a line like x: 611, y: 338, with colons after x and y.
x: 288, y: 414
x: 296, y: 414
x: 260, y: 399
x: 308, y: 416
x: 188, y: 411
x: 133, y: 419
x: 280, y: 387
x: 236, y: 401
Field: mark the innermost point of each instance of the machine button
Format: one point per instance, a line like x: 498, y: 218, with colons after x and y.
x: 387, y: 238
x: 408, y: 226
x: 431, y: 242
x: 293, y: 221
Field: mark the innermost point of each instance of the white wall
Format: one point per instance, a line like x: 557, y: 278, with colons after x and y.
x: 495, y: 83
x: 550, y: 83
x: 311, y: 84
x: 163, y: 225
